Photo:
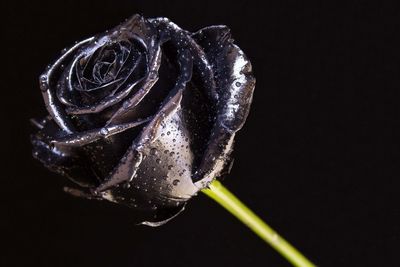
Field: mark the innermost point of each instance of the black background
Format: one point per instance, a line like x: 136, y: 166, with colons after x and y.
x: 318, y: 158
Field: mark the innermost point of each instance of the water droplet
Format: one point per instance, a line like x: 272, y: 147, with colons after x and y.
x: 170, y: 167
x: 126, y: 104
x: 153, y: 151
x: 153, y: 75
x: 43, y: 83
x: 175, y: 182
x: 104, y: 131
x: 168, y: 133
x: 238, y: 84
x: 158, y: 161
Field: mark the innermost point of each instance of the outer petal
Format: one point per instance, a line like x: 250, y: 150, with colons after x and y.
x: 235, y: 86
x: 202, y: 70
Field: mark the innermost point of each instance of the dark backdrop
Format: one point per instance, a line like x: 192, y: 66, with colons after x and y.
x: 318, y: 157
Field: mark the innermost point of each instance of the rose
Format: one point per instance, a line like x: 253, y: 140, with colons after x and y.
x: 145, y: 114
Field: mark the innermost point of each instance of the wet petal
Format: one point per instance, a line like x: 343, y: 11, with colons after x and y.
x: 235, y: 89
x: 87, y: 137
x: 201, y: 64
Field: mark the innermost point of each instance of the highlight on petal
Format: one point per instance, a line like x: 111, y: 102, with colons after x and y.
x: 84, y: 138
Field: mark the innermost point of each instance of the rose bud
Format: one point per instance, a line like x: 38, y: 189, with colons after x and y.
x: 145, y: 114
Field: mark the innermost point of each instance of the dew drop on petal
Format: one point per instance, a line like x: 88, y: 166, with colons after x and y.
x: 153, y: 151
x: 104, y: 131
x: 126, y: 104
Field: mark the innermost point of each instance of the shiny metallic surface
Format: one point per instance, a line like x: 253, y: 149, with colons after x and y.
x: 145, y: 114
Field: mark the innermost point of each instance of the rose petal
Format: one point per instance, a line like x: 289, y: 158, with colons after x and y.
x: 87, y: 137
x: 236, y: 85
x: 202, y: 66
x: 162, y: 217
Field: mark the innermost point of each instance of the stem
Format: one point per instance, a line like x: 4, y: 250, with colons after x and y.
x: 232, y: 204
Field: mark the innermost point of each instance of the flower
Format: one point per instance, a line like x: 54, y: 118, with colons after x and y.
x: 145, y: 114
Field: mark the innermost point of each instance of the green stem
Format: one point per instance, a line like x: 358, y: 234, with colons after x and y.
x: 232, y: 204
